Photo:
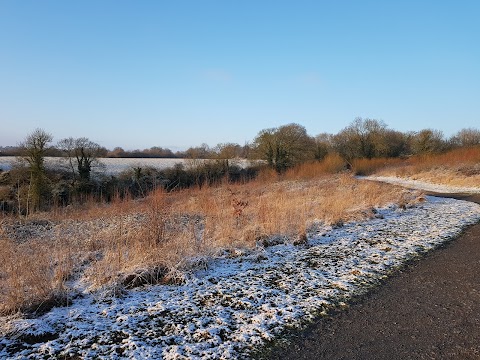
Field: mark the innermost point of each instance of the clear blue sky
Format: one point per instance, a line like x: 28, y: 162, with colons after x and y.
x: 138, y: 74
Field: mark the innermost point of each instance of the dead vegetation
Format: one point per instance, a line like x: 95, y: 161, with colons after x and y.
x: 155, y: 240
x: 459, y: 167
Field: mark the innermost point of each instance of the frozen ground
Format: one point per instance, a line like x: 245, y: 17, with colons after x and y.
x: 422, y: 185
x: 242, y: 299
x: 114, y: 166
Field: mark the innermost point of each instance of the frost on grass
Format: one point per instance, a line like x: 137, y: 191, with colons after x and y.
x: 237, y: 303
x: 423, y: 185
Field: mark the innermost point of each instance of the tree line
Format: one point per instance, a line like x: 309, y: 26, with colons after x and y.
x: 33, y: 187
x: 201, y: 152
x: 289, y: 145
x: 30, y: 186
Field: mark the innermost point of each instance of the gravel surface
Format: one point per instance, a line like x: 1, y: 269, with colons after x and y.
x: 429, y: 310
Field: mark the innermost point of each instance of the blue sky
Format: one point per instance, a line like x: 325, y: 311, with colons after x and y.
x: 138, y: 74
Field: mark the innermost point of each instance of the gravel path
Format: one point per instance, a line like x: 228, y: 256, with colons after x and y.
x: 430, y: 310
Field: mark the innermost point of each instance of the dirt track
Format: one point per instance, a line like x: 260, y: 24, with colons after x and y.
x: 430, y: 310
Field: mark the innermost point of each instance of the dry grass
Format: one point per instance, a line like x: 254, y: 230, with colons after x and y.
x: 332, y: 164
x: 33, y: 276
x: 466, y: 156
x: 131, y: 242
x: 460, y: 167
x: 370, y: 166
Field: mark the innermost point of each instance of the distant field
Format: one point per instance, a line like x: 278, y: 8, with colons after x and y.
x: 114, y: 166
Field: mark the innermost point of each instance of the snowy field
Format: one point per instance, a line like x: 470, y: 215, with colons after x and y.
x: 111, y: 166
x: 239, y: 301
x: 114, y: 166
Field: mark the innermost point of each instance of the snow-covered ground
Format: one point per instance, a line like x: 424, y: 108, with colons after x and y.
x: 422, y: 185
x: 241, y: 299
x: 114, y: 166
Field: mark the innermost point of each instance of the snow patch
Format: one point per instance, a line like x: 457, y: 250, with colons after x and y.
x: 422, y: 185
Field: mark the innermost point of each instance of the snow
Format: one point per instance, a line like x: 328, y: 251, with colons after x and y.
x: 238, y: 303
x: 114, y: 166
x: 422, y: 185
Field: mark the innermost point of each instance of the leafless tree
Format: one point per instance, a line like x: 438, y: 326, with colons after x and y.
x: 466, y: 137
x: 428, y: 141
x: 226, y: 152
x: 323, y: 145
x: 82, y: 155
x: 284, y: 146
x: 33, y: 150
x: 363, y: 138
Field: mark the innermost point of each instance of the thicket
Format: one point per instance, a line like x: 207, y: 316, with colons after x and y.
x: 62, y: 188
x: 364, y: 139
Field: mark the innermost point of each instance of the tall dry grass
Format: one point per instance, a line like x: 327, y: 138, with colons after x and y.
x: 453, y: 158
x: 129, y: 242
x: 33, y: 275
x: 331, y: 164
x: 459, y: 167
x: 462, y: 159
x: 370, y: 166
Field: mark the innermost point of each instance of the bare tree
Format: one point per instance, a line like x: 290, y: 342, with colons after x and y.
x: 82, y: 155
x: 284, y: 146
x: 117, y: 152
x: 226, y: 152
x: 466, y: 137
x: 33, y: 150
x: 397, y: 143
x: 363, y: 138
x: 200, y: 152
x: 428, y: 141
x: 323, y: 145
